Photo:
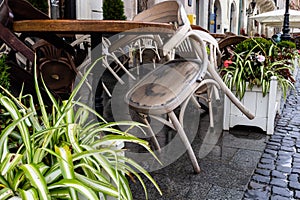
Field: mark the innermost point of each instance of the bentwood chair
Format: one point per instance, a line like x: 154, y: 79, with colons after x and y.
x: 164, y: 12
x: 173, y: 84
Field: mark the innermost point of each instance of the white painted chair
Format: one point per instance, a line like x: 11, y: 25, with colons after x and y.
x: 173, y: 84
x: 164, y: 12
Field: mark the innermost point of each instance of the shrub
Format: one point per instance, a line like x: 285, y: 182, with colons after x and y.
x: 113, y: 10
x: 286, y: 44
x: 5, y: 83
x: 251, y: 43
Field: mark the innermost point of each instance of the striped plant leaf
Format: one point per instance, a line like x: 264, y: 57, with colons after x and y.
x: 29, y: 194
x: 9, y: 163
x: 3, y: 182
x: 17, y: 179
x: 60, y: 193
x: 111, y: 171
x: 37, y: 180
x: 5, y: 193
x: 66, y: 166
x: 78, y: 186
x: 98, y: 186
x: 16, y: 115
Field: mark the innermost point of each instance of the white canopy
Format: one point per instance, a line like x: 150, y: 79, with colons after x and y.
x: 276, y: 17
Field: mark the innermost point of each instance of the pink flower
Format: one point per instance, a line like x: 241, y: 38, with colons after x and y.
x: 260, y: 58
x: 299, y: 51
x: 227, y: 63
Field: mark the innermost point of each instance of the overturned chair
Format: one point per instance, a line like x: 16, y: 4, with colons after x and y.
x: 173, y: 84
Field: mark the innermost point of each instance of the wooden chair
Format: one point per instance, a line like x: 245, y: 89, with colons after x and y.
x: 164, y: 12
x: 56, y: 67
x: 227, y: 44
x: 55, y: 57
x: 173, y: 84
x: 169, y: 14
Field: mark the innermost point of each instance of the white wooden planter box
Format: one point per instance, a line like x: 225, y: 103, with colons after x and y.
x: 264, y: 109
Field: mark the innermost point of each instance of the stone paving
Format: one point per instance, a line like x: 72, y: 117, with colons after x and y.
x: 227, y: 161
x: 277, y: 175
x: 244, y: 164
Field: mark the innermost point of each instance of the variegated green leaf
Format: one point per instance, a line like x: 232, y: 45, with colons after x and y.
x: 60, y: 193
x: 78, y: 186
x: 105, y: 188
x: 37, y: 180
x: 17, y: 180
x: 65, y: 162
x: 9, y: 163
x: 5, y: 193
x: 29, y: 194
x: 66, y: 166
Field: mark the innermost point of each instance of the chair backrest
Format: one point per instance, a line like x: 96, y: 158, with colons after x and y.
x: 56, y: 67
x: 5, y: 13
x: 164, y: 12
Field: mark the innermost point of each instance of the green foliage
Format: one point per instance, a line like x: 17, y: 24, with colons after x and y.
x: 42, y: 5
x: 286, y: 44
x: 4, y: 73
x: 250, y: 43
x: 5, y: 83
x: 113, y: 10
x: 254, y: 62
x: 64, y: 155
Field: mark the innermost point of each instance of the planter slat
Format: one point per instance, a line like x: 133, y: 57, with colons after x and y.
x: 264, y: 108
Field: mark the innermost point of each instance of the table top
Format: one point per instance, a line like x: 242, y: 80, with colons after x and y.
x: 89, y: 26
x: 95, y: 26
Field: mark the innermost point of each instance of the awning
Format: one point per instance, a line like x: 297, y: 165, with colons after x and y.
x: 265, y: 5
x: 275, y: 18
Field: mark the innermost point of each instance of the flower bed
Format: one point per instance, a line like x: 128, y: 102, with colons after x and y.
x: 259, y: 72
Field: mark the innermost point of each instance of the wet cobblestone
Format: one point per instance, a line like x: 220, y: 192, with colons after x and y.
x: 277, y: 175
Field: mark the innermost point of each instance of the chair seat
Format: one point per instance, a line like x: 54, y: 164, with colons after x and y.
x: 165, y: 88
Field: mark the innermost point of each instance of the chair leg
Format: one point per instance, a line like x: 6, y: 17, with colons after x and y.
x: 185, y: 141
x: 210, y: 107
x: 151, y: 133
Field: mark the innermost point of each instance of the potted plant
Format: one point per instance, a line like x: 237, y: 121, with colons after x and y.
x: 254, y: 70
x: 61, y: 155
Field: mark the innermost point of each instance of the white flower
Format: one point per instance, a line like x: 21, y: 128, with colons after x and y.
x: 260, y: 58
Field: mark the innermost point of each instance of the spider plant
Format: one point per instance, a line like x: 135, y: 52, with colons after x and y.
x: 255, y: 67
x: 62, y: 155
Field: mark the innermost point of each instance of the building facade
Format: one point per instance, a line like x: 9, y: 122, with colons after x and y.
x: 217, y: 16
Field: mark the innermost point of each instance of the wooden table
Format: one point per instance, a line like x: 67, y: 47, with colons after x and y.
x: 44, y: 27
x: 88, y: 26
x: 93, y: 27
x: 96, y: 28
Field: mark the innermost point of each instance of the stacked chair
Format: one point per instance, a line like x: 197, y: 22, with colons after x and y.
x: 186, y: 72
x: 56, y: 59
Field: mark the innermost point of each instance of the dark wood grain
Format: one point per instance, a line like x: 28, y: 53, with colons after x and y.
x: 89, y: 26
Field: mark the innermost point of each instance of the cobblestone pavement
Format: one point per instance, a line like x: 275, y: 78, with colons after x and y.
x: 277, y: 175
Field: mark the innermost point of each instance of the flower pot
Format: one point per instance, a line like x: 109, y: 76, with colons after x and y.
x: 264, y: 109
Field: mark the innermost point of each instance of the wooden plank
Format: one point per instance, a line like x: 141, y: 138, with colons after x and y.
x: 89, y: 26
x: 13, y: 42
